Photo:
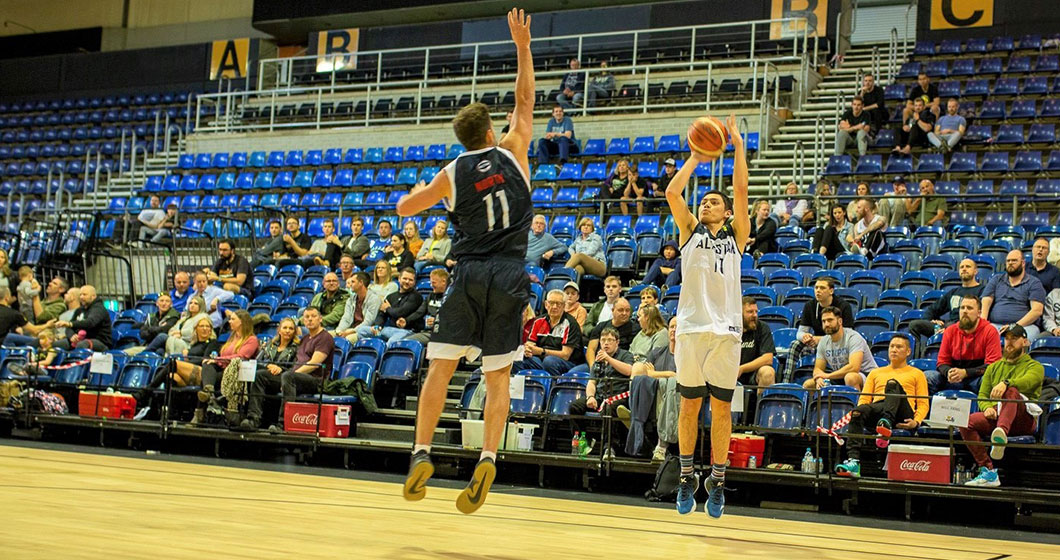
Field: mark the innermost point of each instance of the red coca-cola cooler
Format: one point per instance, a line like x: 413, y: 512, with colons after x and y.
x: 106, y: 405
x: 744, y: 446
x: 918, y: 463
x: 301, y: 417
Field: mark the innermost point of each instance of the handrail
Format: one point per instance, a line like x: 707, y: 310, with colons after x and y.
x: 905, y: 40
x: 798, y: 163
x: 892, y: 52
x: 875, y: 65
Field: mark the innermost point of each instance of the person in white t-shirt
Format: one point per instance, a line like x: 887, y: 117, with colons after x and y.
x: 155, y: 223
x: 867, y: 236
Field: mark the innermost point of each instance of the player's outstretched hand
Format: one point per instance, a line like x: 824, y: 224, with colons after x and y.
x: 734, y: 130
x: 519, y: 25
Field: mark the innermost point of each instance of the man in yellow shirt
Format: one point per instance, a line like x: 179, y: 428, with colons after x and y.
x: 900, y: 408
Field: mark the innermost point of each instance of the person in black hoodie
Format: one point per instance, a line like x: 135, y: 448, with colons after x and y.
x: 92, y: 318
x: 160, y: 323
x: 431, y: 304
x: 400, y: 314
x: 662, y: 267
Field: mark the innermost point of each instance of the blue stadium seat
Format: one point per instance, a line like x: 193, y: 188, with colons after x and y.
x: 782, y: 406
x: 839, y: 165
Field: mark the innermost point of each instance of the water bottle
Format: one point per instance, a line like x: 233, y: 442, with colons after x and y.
x: 575, y: 444
x: 807, y: 462
x: 752, y: 462
x: 820, y: 465
x: 583, y: 445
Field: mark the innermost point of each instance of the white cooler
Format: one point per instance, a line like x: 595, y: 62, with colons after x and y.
x: 518, y: 437
x: 918, y: 463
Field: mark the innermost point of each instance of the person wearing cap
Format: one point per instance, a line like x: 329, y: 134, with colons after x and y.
x: 657, y: 189
x: 1016, y: 376
x: 573, y: 304
x: 1014, y: 297
x: 854, y: 127
x: 934, y: 212
x: 662, y: 266
x: 894, y: 205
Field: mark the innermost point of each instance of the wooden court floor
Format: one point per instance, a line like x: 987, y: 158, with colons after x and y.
x: 60, y: 504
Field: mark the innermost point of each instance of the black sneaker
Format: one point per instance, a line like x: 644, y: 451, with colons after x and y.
x: 420, y: 471
x: 472, y: 497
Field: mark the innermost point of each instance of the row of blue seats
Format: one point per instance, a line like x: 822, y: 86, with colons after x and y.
x: 68, y: 119
x: 66, y: 167
x: 77, y: 150
x: 264, y: 180
x: 978, y: 45
x: 75, y: 136
x: 987, y: 65
x: 1028, y: 162
x: 980, y: 87
x: 162, y: 98
x: 995, y: 240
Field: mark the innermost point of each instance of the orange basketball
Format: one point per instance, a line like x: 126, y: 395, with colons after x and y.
x: 707, y: 136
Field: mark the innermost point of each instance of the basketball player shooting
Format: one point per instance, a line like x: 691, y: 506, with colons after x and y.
x: 487, y: 194
x: 709, y: 317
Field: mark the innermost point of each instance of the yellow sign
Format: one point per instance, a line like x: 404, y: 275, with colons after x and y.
x: 815, y: 13
x: 958, y: 14
x: 228, y: 58
x: 333, y: 47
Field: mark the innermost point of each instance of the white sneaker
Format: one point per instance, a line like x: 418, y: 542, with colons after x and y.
x: 142, y: 413
x: 986, y: 477
x: 659, y: 455
x: 1000, y: 439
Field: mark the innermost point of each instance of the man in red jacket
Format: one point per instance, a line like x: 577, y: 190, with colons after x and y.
x: 968, y: 346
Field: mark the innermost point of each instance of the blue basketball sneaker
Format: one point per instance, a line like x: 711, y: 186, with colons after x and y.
x: 851, y: 468
x: 686, y: 494
x: 715, y: 496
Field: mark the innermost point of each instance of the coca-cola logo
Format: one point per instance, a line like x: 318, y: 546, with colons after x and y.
x: 305, y: 419
x: 916, y: 466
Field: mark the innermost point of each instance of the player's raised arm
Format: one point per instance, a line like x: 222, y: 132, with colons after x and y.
x: 741, y: 221
x: 522, y: 128
x: 424, y: 196
x: 675, y: 197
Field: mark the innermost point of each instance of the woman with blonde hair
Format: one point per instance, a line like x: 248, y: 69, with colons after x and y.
x: 241, y: 344
x: 652, y: 335
x: 434, y: 251
x: 413, y: 241
x: 182, y: 335
x: 187, y: 369
x: 273, y: 359
x: 383, y: 280
x: 8, y: 278
x: 587, y: 250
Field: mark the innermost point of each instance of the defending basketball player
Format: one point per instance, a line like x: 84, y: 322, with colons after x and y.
x: 709, y: 317
x: 487, y: 193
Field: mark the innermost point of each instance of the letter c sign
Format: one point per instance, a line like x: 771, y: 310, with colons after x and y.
x: 959, y: 14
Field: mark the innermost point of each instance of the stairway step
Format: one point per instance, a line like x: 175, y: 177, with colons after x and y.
x: 404, y: 433
x: 451, y: 405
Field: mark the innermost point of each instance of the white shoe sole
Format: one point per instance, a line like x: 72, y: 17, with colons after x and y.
x: 999, y: 439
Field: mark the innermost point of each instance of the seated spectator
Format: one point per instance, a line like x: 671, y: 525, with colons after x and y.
x: 555, y: 340
x: 312, y: 366
x: 358, y: 246
x: 331, y: 301
x: 361, y: 309
x: 434, y: 251
x: 1014, y: 377
x: 653, y: 386
x: 763, y: 236
x: 873, y: 102
x: 650, y: 296
x: 934, y: 211
x: 154, y: 330
x: 601, y: 85
x: 232, y: 271
x: 72, y: 299
x: 1047, y: 274
x: 587, y: 250
x: 182, y: 334
x: 822, y: 204
x: 326, y: 250
x: 945, y: 310
x: 949, y: 129
x: 854, y: 127
x: 811, y: 324
x: 399, y: 314
x: 92, y: 319
x: 843, y: 356
x: 573, y: 305
x: 830, y: 239
x: 601, y: 310
x: 620, y: 320
x: 616, y: 183
x: 45, y: 313
x: 541, y: 247
x: 507, y: 121
x: 915, y: 129
x: 187, y: 370
x: 866, y: 237
x: 572, y: 88
x: 212, y: 296
x: 383, y: 280
x: 157, y: 224
x: 346, y: 269
x: 608, y: 387
x: 756, y: 349
x: 558, y: 140
x: 968, y: 347
x: 45, y: 356
x: 398, y: 254
x: 8, y: 278
x: 241, y: 343
x: 928, y: 95
x: 790, y: 211
x: 1014, y: 298
x: 431, y: 304
x: 384, y: 229
x: 272, y: 249
x: 665, y: 264
x: 10, y: 319
x: 180, y: 292
x: 652, y: 333
x: 895, y: 396
x: 412, y: 237
x: 1051, y: 315
x: 296, y: 244
x: 636, y: 191
x: 273, y: 359
x: 860, y: 191
x: 895, y: 205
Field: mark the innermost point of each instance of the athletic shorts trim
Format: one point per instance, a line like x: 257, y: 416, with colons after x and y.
x: 446, y: 351
x: 707, y: 364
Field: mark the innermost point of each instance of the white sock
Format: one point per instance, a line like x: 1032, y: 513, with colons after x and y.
x: 492, y: 455
x: 421, y: 447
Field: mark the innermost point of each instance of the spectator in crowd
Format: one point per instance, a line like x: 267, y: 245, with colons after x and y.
x: 558, y: 139
x: 232, y: 271
x: 934, y: 206
x: 617, y: 183
x: 572, y: 88
x: 182, y: 335
x: 507, y: 122
x: 296, y: 244
x: 636, y: 191
x: 873, y: 102
x: 555, y: 340
x: 541, y: 246
x: 28, y: 288
x: 346, y: 268
x: 155, y: 327
x: 927, y: 93
x: 831, y: 239
x: 601, y: 310
x: 650, y: 296
x: 621, y: 322
x: 669, y: 170
x: 1014, y: 377
x: 213, y: 296
x: 573, y: 305
x: 866, y: 237
x: 384, y: 230
x: 656, y: 378
x: 1014, y: 298
x: 665, y: 264
x: 756, y: 349
x: 763, y: 236
x: 791, y: 211
x: 843, y: 355
x: 312, y: 366
x: 945, y: 310
x: 608, y: 387
x: 72, y: 299
x: 46, y: 355
x: 894, y: 205
x: 601, y: 85
x: 398, y: 254
x: 434, y: 251
x: 383, y: 280
x: 331, y: 301
x: 1039, y: 267
x: 186, y: 369
x: 587, y: 250
x: 968, y: 347
x: 241, y: 343
x: 272, y: 249
x: 92, y: 318
x: 45, y: 313
x: 399, y: 314
x: 326, y: 250
x: 895, y: 396
x: 412, y: 237
x: 854, y: 128
x: 1051, y: 314
x: 361, y: 309
x: 860, y: 191
x: 273, y: 359
x: 439, y: 279
x: 915, y: 129
x: 10, y: 319
x: 949, y: 129
x: 358, y: 246
x: 181, y: 290
x: 157, y: 224
x: 821, y: 204
x: 652, y: 332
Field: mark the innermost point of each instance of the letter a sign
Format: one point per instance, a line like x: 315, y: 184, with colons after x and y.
x: 228, y: 58
x: 958, y: 14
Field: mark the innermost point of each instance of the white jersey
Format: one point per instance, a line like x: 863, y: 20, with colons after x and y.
x: 711, y: 294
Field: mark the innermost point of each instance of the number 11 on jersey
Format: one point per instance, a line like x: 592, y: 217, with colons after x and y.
x: 491, y: 217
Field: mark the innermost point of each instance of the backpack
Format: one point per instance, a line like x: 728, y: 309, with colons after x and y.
x: 1050, y: 390
x: 48, y: 403
x: 664, y: 487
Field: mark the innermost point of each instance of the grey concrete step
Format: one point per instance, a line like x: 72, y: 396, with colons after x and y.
x: 404, y: 433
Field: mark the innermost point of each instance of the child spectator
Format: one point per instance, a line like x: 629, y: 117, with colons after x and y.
x: 28, y: 288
